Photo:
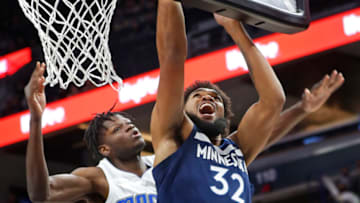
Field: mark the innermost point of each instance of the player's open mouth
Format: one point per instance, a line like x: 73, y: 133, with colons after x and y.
x: 207, y: 110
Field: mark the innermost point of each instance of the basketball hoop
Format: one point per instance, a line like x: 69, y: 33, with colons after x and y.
x: 74, y: 35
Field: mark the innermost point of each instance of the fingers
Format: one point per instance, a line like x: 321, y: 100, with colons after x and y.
x: 325, y: 81
x: 337, y: 79
x: 333, y: 77
x: 40, y: 68
x: 321, y: 84
x: 307, y: 94
x: 41, y: 82
x: 39, y: 71
x: 330, y: 83
x: 37, y: 80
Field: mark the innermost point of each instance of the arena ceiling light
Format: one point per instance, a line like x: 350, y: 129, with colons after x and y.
x: 285, y: 16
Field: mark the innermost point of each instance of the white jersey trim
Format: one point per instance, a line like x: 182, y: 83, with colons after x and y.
x: 202, y: 137
x: 147, y: 183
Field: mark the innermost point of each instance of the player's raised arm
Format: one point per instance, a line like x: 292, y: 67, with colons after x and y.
x: 167, y: 115
x: 310, y: 102
x: 256, y: 126
x: 36, y: 168
x: 40, y: 186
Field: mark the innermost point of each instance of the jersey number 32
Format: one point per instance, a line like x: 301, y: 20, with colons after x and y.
x: 224, y: 189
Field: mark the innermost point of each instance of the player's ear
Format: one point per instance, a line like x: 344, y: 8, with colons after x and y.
x: 104, y: 150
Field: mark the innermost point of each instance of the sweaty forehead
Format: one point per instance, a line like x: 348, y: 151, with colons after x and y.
x: 115, y: 119
x: 204, y: 89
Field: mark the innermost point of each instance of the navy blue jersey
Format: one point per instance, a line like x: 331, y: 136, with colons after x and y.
x: 202, y: 172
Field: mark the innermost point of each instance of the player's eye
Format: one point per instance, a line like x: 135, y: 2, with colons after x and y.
x: 196, y: 95
x: 116, y: 129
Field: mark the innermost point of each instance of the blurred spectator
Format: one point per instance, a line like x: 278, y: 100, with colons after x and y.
x: 344, y: 181
x: 340, y: 192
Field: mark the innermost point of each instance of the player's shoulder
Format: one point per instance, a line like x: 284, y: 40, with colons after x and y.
x: 90, y: 173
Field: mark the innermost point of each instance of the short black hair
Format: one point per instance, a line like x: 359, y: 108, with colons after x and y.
x: 207, y: 84
x: 96, y: 129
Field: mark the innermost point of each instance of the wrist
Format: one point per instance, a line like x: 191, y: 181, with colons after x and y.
x: 301, y: 107
x: 233, y: 27
x: 239, y: 35
x: 35, y: 118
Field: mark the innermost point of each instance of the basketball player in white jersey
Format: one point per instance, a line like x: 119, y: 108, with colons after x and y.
x: 122, y: 175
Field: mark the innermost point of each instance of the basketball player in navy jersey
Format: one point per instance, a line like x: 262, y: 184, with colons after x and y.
x: 193, y: 163
x: 121, y: 176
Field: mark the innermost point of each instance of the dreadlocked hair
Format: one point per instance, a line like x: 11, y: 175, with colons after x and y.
x: 207, y: 84
x: 96, y: 129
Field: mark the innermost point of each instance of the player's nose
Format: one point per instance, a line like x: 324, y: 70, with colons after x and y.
x: 207, y: 98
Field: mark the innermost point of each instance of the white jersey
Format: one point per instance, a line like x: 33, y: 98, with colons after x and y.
x: 127, y: 187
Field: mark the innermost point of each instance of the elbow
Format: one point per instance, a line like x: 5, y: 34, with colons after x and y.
x: 276, y: 102
x: 279, y: 96
x: 279, y: 103
x: 281, y: 99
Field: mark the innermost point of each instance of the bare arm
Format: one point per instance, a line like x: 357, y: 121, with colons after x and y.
x: 256, y: 126
x: 77, y: 185
x: 311, y: 101
x: 168, y: 115
x: 36, y: 168
x: 40, y: 187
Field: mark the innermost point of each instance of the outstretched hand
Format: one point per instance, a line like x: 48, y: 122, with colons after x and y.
x: 35, y: 92
x: 313, y: 99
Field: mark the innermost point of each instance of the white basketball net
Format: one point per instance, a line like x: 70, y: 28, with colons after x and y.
x: 74, y: 35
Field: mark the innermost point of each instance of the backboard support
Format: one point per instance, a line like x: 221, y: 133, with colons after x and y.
x: 284, y: 16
